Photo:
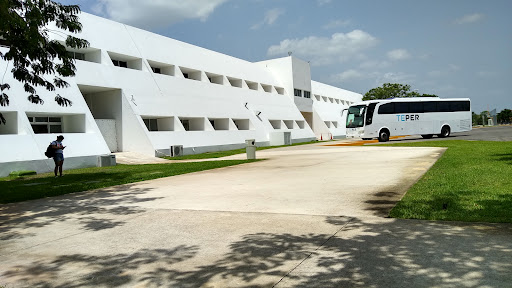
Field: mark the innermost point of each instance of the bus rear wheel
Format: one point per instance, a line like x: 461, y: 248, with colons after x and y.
x: 384, y: 136
x: 427, y: 136
x: 445, y: 132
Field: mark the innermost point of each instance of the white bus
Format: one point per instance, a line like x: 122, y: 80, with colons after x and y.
x: 426, y: 116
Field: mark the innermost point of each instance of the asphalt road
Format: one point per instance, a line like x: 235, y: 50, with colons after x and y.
x: 496, y: 133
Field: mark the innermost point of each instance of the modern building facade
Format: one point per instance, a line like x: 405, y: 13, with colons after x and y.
x: 142, y: 92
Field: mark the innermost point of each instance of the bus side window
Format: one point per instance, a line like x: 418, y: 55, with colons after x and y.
x: 429, y: 107
x: 467, y: 106
x: 388, y: 108
x: 416, y: 107
x: 402, y: 108
x: 444, y: 106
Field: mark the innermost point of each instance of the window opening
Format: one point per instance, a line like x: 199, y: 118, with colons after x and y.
x: 120, y: 63
x: 76, y: 55
x: 45, y: 125
x: 279, y: 90
x: 151, y: 124
x: 186, y: 124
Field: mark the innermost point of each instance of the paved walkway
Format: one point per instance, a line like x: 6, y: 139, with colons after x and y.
x: 307, y: 217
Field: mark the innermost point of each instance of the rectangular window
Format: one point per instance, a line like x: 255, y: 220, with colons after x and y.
x: 307, y: 94
x: 76, y: 55
x: 297, y: 92
x: 151, y: 124
x: 44, y: 125
x: 120, y: 63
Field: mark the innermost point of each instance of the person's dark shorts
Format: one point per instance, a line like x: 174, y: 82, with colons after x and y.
x: 58, y: 157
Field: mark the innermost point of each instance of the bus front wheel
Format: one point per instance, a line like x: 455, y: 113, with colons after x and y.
x: 445, y: 132
x: 384, y: 136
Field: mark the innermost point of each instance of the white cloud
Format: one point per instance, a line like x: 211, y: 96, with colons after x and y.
x: 470, y: 18
x: 270, y: 17
x: 322, y: 50
x: 444, y: 72
x: 336, y: 24
x: 350, y: 74
x: 323, y: 2
x: 453, y: 67
x: 371, y: 64
x: 485, y: 74
x: 392, y: 77
x: 156, y: 13
x: 435, y: 73
x: 399, y: 54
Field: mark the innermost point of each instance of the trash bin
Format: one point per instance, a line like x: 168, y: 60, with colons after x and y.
x: 250, y: 148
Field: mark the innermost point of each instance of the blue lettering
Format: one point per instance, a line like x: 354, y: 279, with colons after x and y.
x: 405, y: 118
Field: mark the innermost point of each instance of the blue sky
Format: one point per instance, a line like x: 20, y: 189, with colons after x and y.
x: 451, y: 48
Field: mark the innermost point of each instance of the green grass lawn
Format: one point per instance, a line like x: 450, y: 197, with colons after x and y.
x: 220, y: 154
x: 473, y: 180
x: 16, y: 189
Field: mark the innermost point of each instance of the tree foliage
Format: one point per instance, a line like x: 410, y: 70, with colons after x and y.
x: 23, y: 27
x: 505, y: 116
x: 393, y: 90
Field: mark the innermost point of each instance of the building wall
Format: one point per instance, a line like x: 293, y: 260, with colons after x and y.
x: 220, y: 99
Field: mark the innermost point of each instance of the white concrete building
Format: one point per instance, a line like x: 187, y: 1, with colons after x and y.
x: 141, y: 92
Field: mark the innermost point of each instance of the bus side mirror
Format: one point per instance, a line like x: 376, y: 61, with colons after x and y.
x: 341, y: 114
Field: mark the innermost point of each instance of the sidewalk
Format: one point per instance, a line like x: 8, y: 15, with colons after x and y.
x: 307, y: 217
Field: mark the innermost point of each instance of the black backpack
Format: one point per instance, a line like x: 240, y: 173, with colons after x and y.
x: 50, y: 151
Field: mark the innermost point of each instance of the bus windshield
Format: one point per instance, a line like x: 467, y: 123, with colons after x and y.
x: 355, y: 116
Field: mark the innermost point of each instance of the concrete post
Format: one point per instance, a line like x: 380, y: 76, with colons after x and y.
x: 250, y: 148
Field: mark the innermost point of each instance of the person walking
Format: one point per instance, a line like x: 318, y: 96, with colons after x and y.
x: 58, y: 158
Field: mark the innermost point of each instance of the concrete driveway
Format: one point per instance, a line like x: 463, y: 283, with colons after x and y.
x: 309, y: 216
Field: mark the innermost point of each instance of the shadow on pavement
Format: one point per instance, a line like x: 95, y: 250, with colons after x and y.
x: 94, y: 212
x: 371, y: 253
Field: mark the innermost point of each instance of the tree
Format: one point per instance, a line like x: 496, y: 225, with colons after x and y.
x: 23, y: 27
x: 505, y: 116
x: 389, y: 90
x: 477, y: 119
x: 484, y: 116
